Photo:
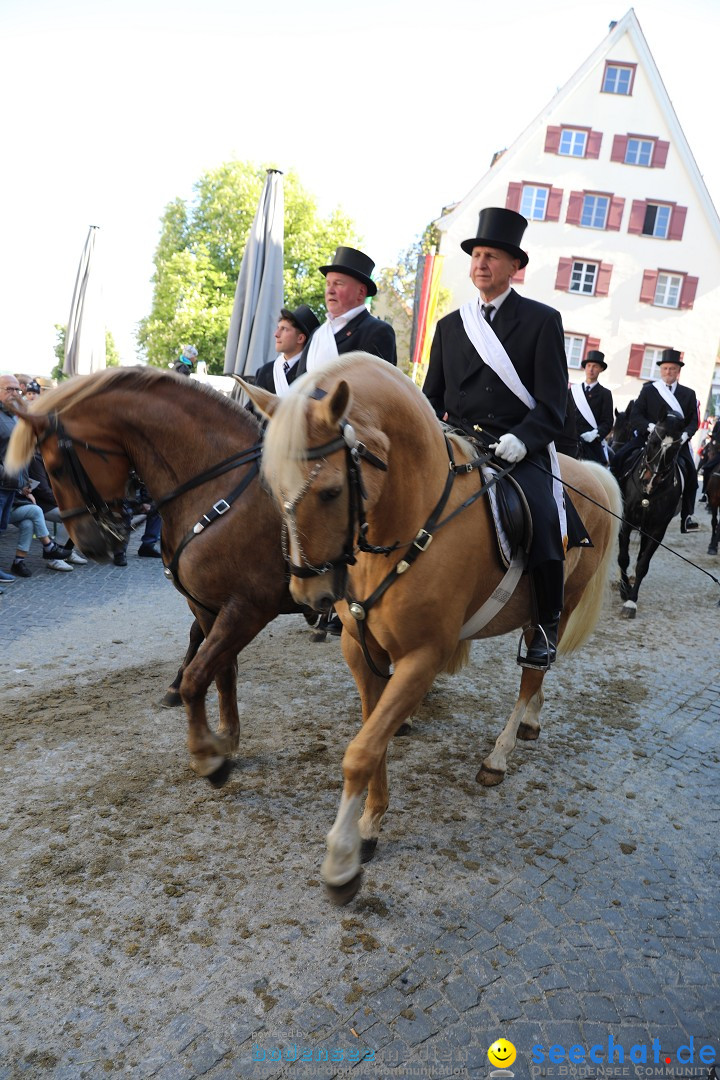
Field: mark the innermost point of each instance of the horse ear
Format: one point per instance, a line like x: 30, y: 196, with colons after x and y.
x: 338, y: 402
x: 265, y: 402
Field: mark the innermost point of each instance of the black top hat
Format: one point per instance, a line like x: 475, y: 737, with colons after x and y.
x: 303, y: 317
x: 499, y: 228
x: 670, y: 356
x: 350, y: 261
x: 594, y: 356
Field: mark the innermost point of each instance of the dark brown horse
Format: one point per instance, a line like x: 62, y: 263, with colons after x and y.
x: 713, y: 499
x: 197, y: 453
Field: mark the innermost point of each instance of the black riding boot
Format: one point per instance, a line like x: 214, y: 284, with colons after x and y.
x: 548, y: 580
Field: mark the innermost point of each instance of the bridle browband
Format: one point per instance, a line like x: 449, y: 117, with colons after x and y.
x: 657, y: 463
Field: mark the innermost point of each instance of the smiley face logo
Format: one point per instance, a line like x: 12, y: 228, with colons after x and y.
x: 502, y: 1054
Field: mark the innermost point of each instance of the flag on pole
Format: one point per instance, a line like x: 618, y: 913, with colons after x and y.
x: 427, y: 291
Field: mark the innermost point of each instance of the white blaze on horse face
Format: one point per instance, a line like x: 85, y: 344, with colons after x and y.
x: 342, y: 861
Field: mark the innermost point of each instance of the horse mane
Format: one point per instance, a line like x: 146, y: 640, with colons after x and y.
x: 285, y: 447
x: 81, y: 387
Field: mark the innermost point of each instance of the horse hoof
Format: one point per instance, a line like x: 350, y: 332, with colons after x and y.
x: 490, y: 777
x: 367, y: 849
x: 629, y: 612
x: 172, y: 700
x: 404, y: 729
x: 219, y: 777
x: 528, y: 733
x: 712, y: 550
x: 340, y: 895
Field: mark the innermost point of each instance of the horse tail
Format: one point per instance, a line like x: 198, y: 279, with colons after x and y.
x: 21, y: 447
x: 459, y: 659
x: 585, y: 616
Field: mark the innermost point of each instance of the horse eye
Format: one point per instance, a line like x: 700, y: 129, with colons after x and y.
x: 328, y: 494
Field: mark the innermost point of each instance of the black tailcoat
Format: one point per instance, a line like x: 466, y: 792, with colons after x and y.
x: 460, y: 384
x: 265, y: 376
x: 364, y: 333
x: 650, y: 407
x: 600, y: 401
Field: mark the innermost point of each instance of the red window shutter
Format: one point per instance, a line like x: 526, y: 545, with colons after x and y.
x: 594, y: 142
x: 562, y: 279
x: 660, y: 153
x: 637, y: 355
x: 552, y: 140
x: 619, y: 148
x: 649, y: 283
x: 519, y: 278
x: 574, y: 210
x: 615, y: 213
x: 689, y: 289
x: 602, y: 285
x: 514, y: 195
x: 591, y: 343
x: 552, y: 212
x: 637, y: 216
x: 677, y: 222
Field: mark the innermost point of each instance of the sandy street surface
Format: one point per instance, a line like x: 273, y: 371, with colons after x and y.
x: 151, y: 926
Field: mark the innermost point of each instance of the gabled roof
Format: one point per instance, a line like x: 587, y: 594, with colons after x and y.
x: 627, y: 25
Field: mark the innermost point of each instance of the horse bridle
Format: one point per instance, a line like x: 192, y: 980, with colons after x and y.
x: 103, y: 511
x: 655, y: 464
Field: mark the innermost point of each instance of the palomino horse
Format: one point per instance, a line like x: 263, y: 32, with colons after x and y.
x: 197, y: 453
x: 360, y: 417
x: 651, y: 493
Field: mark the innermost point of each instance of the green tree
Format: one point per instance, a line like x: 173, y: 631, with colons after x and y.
x: 396, y: 293
x: 112, y: 356
x: 200, y: 251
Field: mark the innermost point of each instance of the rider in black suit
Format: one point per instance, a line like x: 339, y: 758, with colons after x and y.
x: 600, y: 401
x: 347, y: 285
x: 651, y: 407
x: 294, y: 330
x: 464, y: 388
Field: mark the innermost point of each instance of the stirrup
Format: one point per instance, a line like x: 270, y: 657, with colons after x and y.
x: 523, y: 660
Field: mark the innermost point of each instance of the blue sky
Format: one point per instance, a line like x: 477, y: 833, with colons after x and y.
x: 391, y: 109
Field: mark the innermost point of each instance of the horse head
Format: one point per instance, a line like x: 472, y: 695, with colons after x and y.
x: 88, y: 478
x: 324, y: 460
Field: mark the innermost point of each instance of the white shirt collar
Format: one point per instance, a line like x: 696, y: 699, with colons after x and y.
x: 497, y: 301
x: 340, y: 321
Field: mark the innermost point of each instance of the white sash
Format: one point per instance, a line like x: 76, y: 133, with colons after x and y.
x: 668, y: 397
x: 323, y: 347
x: 583, y: 405
x: 279, y: 377
x: 489, y: 347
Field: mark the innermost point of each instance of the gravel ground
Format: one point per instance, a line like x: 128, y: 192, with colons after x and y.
x: 154, y: 927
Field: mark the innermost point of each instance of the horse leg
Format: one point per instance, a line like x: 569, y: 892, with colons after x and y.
x: 714, y: 531
x: 523, y: 723
x: 624, y: 560
x: 364, y: 761
x: 231, y: 631
x: 172, y: 698
x: 648, y: 547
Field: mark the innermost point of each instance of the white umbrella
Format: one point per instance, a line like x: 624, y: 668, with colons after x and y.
x: 85, y: 336
x: 259, y: 292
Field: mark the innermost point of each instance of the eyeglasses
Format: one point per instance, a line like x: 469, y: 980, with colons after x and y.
x: 10, y: 389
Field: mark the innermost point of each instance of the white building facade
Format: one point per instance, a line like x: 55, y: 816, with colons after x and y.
x: 623, y: 237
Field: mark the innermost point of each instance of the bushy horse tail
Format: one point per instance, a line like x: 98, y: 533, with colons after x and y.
x: 20, y: 448
x: 585, y: 616
x: 459, y: 659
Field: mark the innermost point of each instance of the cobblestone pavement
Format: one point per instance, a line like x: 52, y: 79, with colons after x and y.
x: 153, y: 927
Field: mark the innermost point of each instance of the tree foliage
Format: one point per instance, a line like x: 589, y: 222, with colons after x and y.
x: 112, y: 356
x: 198, y: 257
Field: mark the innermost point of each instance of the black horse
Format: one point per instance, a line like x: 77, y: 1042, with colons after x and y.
x: 651, y: 488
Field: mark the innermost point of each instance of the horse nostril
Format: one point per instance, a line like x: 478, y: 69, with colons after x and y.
x: 325, y: 603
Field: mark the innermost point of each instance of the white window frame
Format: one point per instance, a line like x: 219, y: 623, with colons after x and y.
x: 614, y: 77
x: 649, y: 365
x: 659, y: 233
x: 636, y: 149
x: 530, y: 202
x: 595, y: 200
x: 575, y: 350
x: 668, y: 290
x: 574, y: 140
x: 583, y: 274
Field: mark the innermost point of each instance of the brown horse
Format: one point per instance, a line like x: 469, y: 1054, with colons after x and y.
x: 360, y: 414
x: 713, y: 501
x: 197, y: 453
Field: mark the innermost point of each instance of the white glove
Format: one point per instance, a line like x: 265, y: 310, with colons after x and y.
x: 590, y: 436
x: 650, y: 427
x: 684, y: 437
x: 509, y: 448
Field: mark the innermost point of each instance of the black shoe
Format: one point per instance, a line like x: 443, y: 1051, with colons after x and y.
x: 542, y: 650
x: 147, y: 551
x: 334, y: 626
x: 689, y: 525
x: 19, y: 569
x: 120, y: 558
x: 54, y: 551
